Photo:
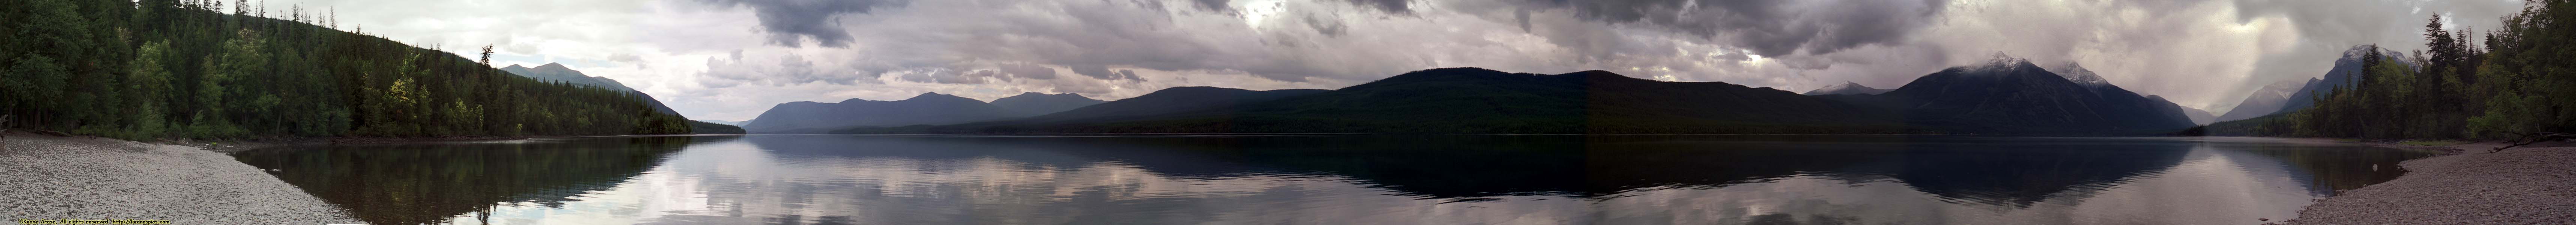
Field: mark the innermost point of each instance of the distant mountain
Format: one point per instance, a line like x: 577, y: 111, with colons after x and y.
x: 735, y: 123
x: 1846, y: 88
x: 552, y: 72
x: 2074, y: 72
x: 2344, y: 69
x: 1461, y: 100
x: 925, y: 109
x: 1169, y: 102
x: 2198, y: 116
x: 2006, y: 96
x: 2011, y: 95
x: 1033, y: 103
x: 2265, y: 101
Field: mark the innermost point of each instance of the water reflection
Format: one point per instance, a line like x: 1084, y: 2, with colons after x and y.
x: 424, y: 183
x: 1369, y: 179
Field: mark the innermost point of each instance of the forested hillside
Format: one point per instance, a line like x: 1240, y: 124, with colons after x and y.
x: 1455, y: 101
x: 2520, y: 81
x: 169, y: 68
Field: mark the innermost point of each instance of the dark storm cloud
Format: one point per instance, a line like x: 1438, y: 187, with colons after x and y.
x: 1326, y: 26
x: 791, y: 22
x: 1389, y: 6
x: 1767, y: 27
x: 1218, y: 6
x: 1130, y: 75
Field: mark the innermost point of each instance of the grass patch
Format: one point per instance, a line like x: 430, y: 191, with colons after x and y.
x: 2432, y: 142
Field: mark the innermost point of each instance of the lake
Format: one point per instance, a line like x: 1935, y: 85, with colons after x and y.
x: 1332, y: 179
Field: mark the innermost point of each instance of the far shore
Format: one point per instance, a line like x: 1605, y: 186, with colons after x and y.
x: 232, y: 146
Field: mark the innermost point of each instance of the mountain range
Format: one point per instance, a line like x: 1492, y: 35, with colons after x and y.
x: 1846, y: 88
x: 2292, y: 96
x: 554, y: 72
x: 2201, y: 117
x: 1458, y: 100
x: 2012, y: 96
x: 1032, y: 103
x: 925, y: 109
x: 2344, y: 69
x: 2265, y: 101
x: 2004, y: 96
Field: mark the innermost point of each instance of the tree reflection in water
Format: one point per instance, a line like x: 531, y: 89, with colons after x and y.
x: 897, y: 179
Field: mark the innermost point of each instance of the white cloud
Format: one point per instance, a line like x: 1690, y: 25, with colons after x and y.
x: 730, y: 60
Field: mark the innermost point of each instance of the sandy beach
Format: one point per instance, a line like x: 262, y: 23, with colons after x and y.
x: 83, y: 178
x: 2523, y: 185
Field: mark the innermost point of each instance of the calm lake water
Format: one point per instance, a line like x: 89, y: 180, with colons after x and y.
x: 1332, y: 179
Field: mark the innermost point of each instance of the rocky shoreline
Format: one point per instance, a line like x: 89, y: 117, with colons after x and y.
x: 86, y: 178
x: 2523, y: 185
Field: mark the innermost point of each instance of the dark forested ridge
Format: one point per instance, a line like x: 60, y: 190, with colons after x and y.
x: 167, y: 68
x: 2010, y: 96
x: 552, y: 72
x: 1033, y: 103
x: 2521, y: 82
x: 1846, y: 88
x: 2345, y: 73
x: 1459, y: 100
x: 2007, y: 95
x: 557, y: 73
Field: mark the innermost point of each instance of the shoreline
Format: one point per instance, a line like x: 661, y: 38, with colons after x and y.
x: 2533, y: 184
x: 236, y: 146
x: 92, y: 178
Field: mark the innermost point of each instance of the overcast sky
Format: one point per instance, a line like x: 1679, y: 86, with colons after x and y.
x: 732, y: 59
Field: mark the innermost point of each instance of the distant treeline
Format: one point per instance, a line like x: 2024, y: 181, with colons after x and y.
x: 170, y: 68
x: 2522, y: 81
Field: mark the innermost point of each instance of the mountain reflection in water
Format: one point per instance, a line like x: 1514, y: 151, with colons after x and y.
x: 1331, y: 179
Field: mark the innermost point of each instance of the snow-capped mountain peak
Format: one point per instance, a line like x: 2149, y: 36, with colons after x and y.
x: 1997, y: 64
x: 2079, y: 75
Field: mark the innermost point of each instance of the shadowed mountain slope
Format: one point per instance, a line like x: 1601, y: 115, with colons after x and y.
x: 1461, y: 100
x: 2011, y: 96
x: 925, y: 109
x: 1033, y: 103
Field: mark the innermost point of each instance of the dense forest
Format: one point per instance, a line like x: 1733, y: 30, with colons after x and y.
x: 174, y: 68
x: 2520, y: 82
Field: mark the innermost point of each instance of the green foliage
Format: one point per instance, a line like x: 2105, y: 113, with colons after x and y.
x: 161, y: 68
x: 2518, y: 84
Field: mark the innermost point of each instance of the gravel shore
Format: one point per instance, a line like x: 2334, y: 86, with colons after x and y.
x: 2525, y: 185
x: 53, y: 177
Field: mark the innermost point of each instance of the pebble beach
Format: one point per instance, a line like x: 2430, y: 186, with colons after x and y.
x: 2523, y: 185
x: 46, y: 177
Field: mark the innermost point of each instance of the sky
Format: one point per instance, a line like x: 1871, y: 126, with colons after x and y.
x: 732, y: 59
